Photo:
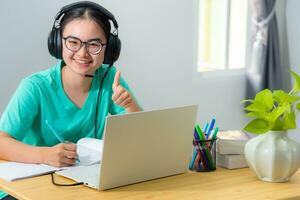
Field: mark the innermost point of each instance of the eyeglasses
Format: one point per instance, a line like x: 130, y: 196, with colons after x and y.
x: 74, y: 44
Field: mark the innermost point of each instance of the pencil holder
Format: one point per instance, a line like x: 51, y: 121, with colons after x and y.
x: 204, y: 156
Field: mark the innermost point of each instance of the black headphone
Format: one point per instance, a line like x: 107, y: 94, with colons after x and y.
x: 113, y: 46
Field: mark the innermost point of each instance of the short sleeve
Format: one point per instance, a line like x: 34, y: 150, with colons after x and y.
x: 21, y: 110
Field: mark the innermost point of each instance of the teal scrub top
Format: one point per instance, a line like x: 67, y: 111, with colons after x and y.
x: 41, y: 97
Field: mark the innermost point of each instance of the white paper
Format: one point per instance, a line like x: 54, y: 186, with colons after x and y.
x: 89, y: 151
x: 11, y: 171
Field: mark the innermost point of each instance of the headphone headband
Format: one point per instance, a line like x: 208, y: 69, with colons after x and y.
x: 113, y: 46
x: 88, y: 4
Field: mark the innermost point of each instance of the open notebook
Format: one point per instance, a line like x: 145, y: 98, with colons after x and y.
x: 89, y: 151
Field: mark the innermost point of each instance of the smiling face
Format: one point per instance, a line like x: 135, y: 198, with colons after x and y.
x: 82, y: 62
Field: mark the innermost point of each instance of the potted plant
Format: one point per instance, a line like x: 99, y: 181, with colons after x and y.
x: 272, y: 155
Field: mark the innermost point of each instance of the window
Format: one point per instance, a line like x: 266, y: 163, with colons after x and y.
x: 222, y: 34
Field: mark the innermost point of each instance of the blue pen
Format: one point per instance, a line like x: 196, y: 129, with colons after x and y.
x: 211, y: 126
x: 193, y: 159
x: 57, y: 135
x: 205, y: 128
x: 196, y: 136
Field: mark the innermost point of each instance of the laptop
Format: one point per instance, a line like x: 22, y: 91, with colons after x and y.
x: 140, y: 146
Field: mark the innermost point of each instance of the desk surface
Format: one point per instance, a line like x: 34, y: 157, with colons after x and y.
x: 220, y: 184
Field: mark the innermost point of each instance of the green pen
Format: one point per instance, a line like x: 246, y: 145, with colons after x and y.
x: 214, y: 135
x: 200, y: 133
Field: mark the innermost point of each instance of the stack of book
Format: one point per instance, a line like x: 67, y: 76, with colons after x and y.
x: 230, y: 149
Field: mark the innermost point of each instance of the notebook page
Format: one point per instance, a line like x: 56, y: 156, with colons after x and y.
x: 11, y: 171
x: 89, y: 152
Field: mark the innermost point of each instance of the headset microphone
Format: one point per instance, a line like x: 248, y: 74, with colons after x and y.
x: 85, y: 75
x: 89, y: 75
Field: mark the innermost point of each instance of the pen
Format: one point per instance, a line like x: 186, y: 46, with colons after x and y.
x: 193, y: 159
x: 57, y: 135
x: 214, y: 134
x: 54, y: 132
x: 213, y: 137
x: 196, y: 136
x: 203, y: 153
x: 200, y: 133
x: 211, y: 126
x: 205, y: 128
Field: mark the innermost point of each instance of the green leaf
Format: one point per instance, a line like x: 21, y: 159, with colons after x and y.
x: 261, y: 115
x: 255, y: 114
x: 247, y: 100
x: 256, y: 106
x: 282, y: 97
x: 289, y: 121
x: 265, y: 98
x: 298, y: 106
x: 257, y: 126
x: 292, y: 99
x: 273, y: 110
x: 278, y: 111
x: 278, y: 125
x: 296, y: 87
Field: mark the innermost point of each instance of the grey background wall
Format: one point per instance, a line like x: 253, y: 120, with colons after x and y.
x: 158, y: 56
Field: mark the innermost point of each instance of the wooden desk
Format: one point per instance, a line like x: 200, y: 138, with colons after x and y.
x: 220, y: 184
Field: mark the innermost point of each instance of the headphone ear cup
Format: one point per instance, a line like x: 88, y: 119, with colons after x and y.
x: 58, y: 45
x: 54, y: 43
x: 51, y: 42
x: 113, y: 49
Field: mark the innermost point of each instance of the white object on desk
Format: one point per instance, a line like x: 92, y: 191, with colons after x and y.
x: 231, y: 161
x: 273, y: 156
x: 89, y: 151
x: 231, y: 142
x: 11, y: 171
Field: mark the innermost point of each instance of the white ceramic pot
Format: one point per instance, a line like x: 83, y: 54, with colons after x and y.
x: 273, y: 156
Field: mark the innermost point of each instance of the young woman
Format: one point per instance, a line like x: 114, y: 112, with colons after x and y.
x: 73, y: 97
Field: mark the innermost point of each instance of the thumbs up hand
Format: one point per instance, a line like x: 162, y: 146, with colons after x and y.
x: 122, y: 97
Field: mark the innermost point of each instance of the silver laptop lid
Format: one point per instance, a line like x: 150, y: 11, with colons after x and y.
x: 146, y: 145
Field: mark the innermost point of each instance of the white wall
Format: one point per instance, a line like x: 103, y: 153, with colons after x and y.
x: 158, y: 56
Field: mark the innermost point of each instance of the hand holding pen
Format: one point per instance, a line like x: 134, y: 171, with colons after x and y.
x: 61, y: 155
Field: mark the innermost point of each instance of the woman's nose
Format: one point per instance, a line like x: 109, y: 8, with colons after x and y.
x: 83, y: 50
